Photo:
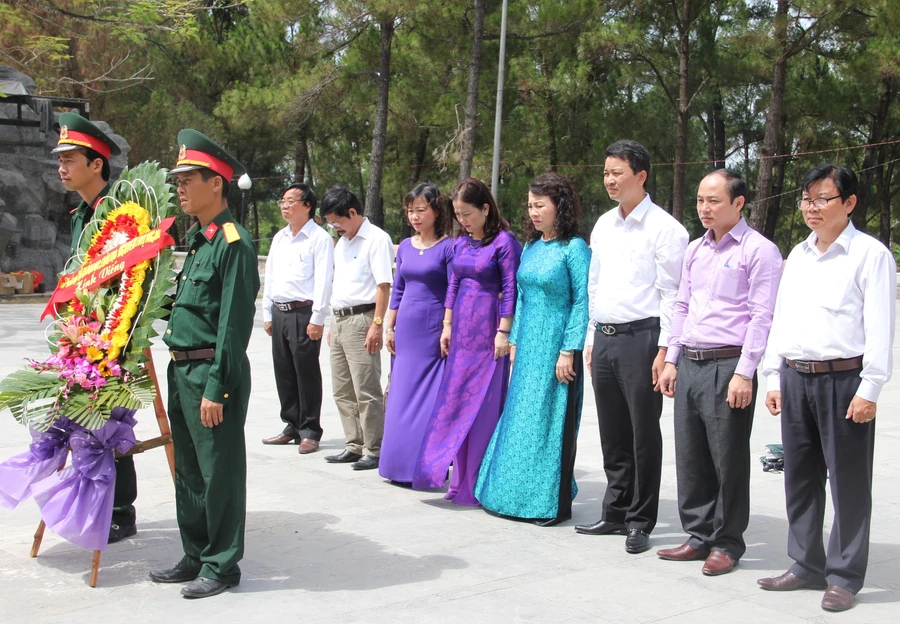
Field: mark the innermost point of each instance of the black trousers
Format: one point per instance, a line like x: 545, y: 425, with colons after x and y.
x: 628, y: 411
x: 298, y: 377
x: 125, y: 492
x: 712, y: 456
x: 820, y: 441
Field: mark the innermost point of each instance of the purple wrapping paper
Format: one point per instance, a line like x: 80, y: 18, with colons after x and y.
x: 76, y: 503
x: 44, y: 456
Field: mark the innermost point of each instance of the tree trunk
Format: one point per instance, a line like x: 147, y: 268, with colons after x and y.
x: 718, y: 110
x: 681, y: 139
x: 774, y: 116
x: 421, y: 149
x: 467, y: 151
x: 374, y: 206
x: 548, y: 113
x: 874, y: 154
x: 774, y: 210
x: 301, y: 154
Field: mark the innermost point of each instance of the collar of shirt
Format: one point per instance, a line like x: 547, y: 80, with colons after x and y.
x: 637, y: 214
x: 306, y: 230
x: 219, y: 219
x: 843, y: 241
x: 365, y: 230
x: 736, y: 234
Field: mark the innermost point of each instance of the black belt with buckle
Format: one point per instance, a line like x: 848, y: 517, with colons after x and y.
x: 291, y: 305
x: 825, y: 366
x: 196, y: 354
x: 719, y: 353
x: 614, y: 329
x: 354, y: 310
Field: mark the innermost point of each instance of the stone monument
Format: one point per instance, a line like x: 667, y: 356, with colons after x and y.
x: 35, y: 222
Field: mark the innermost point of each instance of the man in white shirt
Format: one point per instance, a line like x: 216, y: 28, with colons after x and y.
x: 637, y: 252
x: 828, y: 356
x: 363, y: 273
x: 299, y: 271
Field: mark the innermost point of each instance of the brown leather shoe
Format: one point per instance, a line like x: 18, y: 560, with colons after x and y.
x: 718, y: 563
x: 787, y: 582
x: 837, y: 598
x: 308, y: 446
x: 682, y: 553
x: 279, y: 439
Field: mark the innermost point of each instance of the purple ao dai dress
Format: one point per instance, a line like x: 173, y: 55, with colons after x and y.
x: 474, y: 386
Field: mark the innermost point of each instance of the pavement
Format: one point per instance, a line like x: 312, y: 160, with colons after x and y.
x: 327, y: 544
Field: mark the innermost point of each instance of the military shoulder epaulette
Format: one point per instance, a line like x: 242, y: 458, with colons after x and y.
x: 231, y: 232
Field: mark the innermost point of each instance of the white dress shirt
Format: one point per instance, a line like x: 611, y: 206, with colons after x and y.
x: 635, y: 267
x: 837, y: 304
x: 300, y: 268
x: 360, y: 265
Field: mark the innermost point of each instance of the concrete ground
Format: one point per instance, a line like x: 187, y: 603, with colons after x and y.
x: 327, y: 544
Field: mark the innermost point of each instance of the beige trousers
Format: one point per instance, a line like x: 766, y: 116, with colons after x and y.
x: 356, y: 379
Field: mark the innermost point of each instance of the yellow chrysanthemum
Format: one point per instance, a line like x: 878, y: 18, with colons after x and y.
x: 93, y: 354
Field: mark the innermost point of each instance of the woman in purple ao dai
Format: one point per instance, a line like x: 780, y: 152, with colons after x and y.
x: 479, y: 312
x: 413, y: 331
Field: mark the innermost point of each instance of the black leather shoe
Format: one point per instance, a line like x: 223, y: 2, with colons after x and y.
x: 366, y: 463
x: 601, y: 527
x: 178, y: 574
x: 204, y: 588
x: 346, y: 457
x: 637, y: 541
x: 118, y: 532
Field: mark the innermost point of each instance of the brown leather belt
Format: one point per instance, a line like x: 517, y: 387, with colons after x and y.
x: 701, y: 355
x: 354, y: 310
x: 291, y: 305
x: 197, y: 354
x: 826, y: 366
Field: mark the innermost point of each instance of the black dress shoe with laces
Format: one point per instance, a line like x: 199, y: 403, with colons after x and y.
x: 118, y: 532
x: 204, y: 588
x: 178, y: 574
x: 637, y: 541
x: 601, y: 527
x: 347, y: 457
x: 368, y: 462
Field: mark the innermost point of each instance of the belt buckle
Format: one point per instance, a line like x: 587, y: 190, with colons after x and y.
x: 282, y: 306
x: 802, y: 367
x: 609, y: 330
x: 172, y: 355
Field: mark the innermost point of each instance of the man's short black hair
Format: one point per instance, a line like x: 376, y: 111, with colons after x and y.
x: 339, y: 200
x: 737, y: 186
x: 207, y: 174
x: 844, y: 179
x: 636, y: 154
x: 94, y: 155
x: 307, y: 195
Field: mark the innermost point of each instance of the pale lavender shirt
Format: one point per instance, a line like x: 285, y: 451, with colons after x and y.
x: 727, y: 295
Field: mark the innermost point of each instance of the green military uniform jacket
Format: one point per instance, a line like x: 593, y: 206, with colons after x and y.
x: 215, y: 301
x: 82, y: 216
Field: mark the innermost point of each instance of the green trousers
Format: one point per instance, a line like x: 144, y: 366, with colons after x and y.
x: 210, y: 472
x: 125, y: 493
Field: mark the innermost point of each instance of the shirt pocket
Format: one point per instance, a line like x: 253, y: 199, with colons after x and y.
x: 303, y: 265
x: 643, y: 267
x: 199, y: 287
x: 732, y: 284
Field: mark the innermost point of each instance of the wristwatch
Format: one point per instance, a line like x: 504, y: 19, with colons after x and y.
x: 744, y: 377
x: 378, y: 320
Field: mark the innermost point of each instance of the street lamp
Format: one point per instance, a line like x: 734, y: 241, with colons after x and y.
x: 244, y: 183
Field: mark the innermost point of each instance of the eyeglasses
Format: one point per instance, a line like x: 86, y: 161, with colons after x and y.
x: 818, y: 202
x: 287, y: 203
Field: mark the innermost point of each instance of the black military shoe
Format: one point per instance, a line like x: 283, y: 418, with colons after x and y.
x: 637, y: 541
x: 204, y: 588
x: 178, y: 574
x: 118, y: 532
x: 347, y: 457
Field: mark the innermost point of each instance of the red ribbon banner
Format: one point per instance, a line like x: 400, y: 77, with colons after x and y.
x: 92, y: 275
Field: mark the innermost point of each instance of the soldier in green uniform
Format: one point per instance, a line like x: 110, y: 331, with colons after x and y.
x: 83, y: 152
x: 209, y: 375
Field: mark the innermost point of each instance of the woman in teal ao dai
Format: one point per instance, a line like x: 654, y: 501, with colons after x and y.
x: 527, y: 472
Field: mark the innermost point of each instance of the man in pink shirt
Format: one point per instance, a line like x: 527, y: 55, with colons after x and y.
x: 720, y: 325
